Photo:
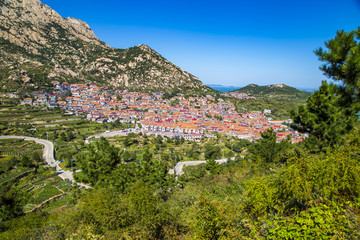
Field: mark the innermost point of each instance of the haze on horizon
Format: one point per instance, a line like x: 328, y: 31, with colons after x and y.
x: 229, y: 42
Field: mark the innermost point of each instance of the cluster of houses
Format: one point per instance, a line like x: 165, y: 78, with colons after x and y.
x: 42, y: 99
x: 191, y: 118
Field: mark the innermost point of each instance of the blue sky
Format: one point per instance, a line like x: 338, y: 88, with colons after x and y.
x: 224, y: 42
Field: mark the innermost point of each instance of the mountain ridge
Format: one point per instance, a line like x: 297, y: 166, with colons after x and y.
x: 38, y: 46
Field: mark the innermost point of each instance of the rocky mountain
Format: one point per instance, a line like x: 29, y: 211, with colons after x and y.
x: 38, y: 46
x: 276, y: 90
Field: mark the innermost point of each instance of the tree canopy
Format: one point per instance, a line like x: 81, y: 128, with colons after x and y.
x: 324, y: 117
x: 342, y: 60
x: 330, y: 112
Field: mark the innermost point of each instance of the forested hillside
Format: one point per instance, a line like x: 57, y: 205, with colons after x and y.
x: 280, y: 98
x: 277, y: 90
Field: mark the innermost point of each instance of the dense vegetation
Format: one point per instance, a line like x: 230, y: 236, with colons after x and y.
x: 271, y: 97
x: 279, y: 110
x: 288, y: 192
x: 280, y: 90
x: 277, y: 190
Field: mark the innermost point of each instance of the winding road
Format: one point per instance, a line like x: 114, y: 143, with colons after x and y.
x: 48, y: 155
x: 177, y: 170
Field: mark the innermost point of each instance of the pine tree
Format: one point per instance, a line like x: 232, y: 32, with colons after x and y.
x: 212, y: 166
x: 330, y: 112
x: 342, y: 60
x: 267, y: 148
x: 323, y: 117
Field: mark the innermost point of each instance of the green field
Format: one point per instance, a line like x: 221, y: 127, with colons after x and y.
x: 16, y: 147
x: 66, y: 131
x: 35, y: 182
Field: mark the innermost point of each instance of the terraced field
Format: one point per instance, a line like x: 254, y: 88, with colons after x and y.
x: 38, y: 118
x: 38, y: 122
x: 66, y: 131
x: 14, y: 147
x: 38, y: 184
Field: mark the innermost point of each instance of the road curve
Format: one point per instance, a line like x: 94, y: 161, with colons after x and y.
x: 48, y: 155
x: 178, y: 169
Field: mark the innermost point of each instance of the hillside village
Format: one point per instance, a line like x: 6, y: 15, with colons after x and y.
x: 191, y: 118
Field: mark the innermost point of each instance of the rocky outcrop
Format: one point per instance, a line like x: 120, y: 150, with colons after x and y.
x: 30, y: 24
x: 36, y: 40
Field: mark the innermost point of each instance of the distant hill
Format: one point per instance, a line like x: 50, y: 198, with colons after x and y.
x: 310, y: 90
x: 222, y: 88
x: 279, y: 98
x: 276, y: 90
x: 38, y: 46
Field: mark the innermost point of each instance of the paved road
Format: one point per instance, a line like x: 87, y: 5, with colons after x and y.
x: 48, y: 155
x: 178, y: 169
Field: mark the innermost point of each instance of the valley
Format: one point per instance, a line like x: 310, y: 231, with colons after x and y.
x: 101, y: 142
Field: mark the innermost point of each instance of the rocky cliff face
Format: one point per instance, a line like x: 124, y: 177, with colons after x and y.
x: 38, y: 46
